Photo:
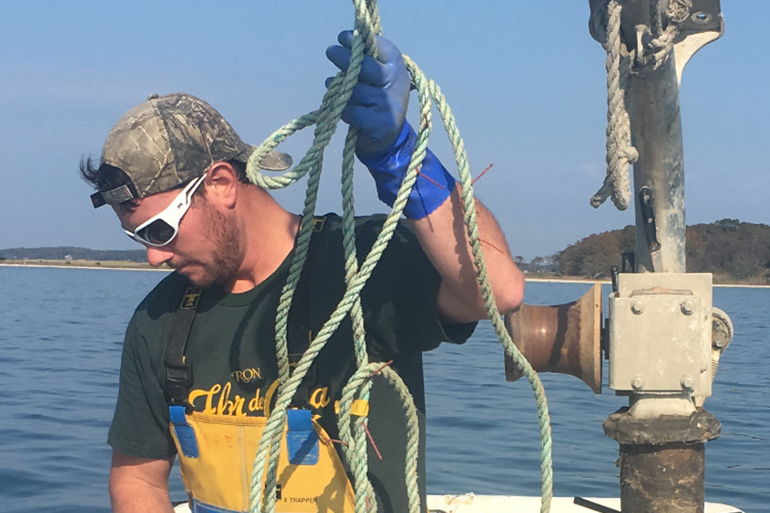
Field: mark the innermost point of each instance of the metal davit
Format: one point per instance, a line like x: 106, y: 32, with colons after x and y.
x: 663, y: 337
x: 659, y: 329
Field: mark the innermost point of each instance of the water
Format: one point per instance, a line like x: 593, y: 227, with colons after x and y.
x: 60, y: 342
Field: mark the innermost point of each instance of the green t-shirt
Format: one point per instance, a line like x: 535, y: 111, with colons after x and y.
x: 231, y: 348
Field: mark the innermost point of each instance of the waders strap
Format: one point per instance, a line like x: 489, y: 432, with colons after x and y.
x: 178, y: 372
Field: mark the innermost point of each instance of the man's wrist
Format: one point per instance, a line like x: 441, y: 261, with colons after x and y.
x: 388, y: 167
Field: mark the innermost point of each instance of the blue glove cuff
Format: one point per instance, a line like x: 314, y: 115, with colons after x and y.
x: 388, y: 167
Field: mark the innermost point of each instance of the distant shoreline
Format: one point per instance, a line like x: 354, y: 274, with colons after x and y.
x: 137, y: 266
x: 80, y: 264
x: 585, y: 280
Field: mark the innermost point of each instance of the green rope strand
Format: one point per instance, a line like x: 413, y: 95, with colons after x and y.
x: 364, y: 493
x: 357, y: 382
x: 326, y: 122
x: 469, y: 209
x: 326, y: 119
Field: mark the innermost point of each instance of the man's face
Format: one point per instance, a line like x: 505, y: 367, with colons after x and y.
x: 206, y: 249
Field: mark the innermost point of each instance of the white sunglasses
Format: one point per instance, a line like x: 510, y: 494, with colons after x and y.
x: 162, y: 228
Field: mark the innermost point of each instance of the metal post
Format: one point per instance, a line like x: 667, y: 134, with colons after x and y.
x: 656, y: 129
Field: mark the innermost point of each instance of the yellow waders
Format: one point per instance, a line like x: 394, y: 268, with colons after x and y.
x: 216, y: 453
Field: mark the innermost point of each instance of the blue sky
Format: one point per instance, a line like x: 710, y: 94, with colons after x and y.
x: 524, y: 79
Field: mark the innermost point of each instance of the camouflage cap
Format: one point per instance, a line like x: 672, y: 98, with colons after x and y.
x: 169, y: 140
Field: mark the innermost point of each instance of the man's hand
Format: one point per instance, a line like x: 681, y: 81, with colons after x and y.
x: 386, y: 143
x: 139, y: 485
x: 380, y: 100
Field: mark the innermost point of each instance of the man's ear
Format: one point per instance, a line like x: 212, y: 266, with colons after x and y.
x: 221, y: 184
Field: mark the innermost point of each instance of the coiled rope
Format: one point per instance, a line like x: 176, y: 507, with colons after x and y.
x: 367, y: 25
x: 620, y: 153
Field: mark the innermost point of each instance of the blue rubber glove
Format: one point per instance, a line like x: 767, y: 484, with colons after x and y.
x: 380, y: 100
x: 377, y: 107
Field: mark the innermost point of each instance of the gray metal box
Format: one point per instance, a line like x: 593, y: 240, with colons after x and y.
x: 660, y: 333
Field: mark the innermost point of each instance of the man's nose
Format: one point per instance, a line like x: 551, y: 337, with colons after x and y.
x: 157, y: 256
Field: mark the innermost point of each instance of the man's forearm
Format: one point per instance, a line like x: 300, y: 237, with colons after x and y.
x: 443, y: 237
x: 139, y: 485
x: 139, y: 497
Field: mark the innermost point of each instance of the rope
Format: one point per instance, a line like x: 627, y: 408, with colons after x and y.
x: 354, y: 431
x: 469, y: 218
x: 620, y: 153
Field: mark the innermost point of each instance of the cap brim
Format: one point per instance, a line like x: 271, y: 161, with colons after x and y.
x: 273, y: 161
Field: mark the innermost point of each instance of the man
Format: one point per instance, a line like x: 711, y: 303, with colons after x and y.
x: 199, y: 370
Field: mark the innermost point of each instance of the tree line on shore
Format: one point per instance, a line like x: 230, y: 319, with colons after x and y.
x: 731, y: 250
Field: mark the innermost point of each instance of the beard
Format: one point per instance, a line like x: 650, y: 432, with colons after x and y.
x: 226, y: 256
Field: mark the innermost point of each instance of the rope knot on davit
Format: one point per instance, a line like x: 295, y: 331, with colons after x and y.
x: 653, y: 48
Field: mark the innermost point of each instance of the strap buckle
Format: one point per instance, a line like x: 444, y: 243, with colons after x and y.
x: 178, y: 383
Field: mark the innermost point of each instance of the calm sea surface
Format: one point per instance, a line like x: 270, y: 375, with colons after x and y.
x: 60, y: 338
